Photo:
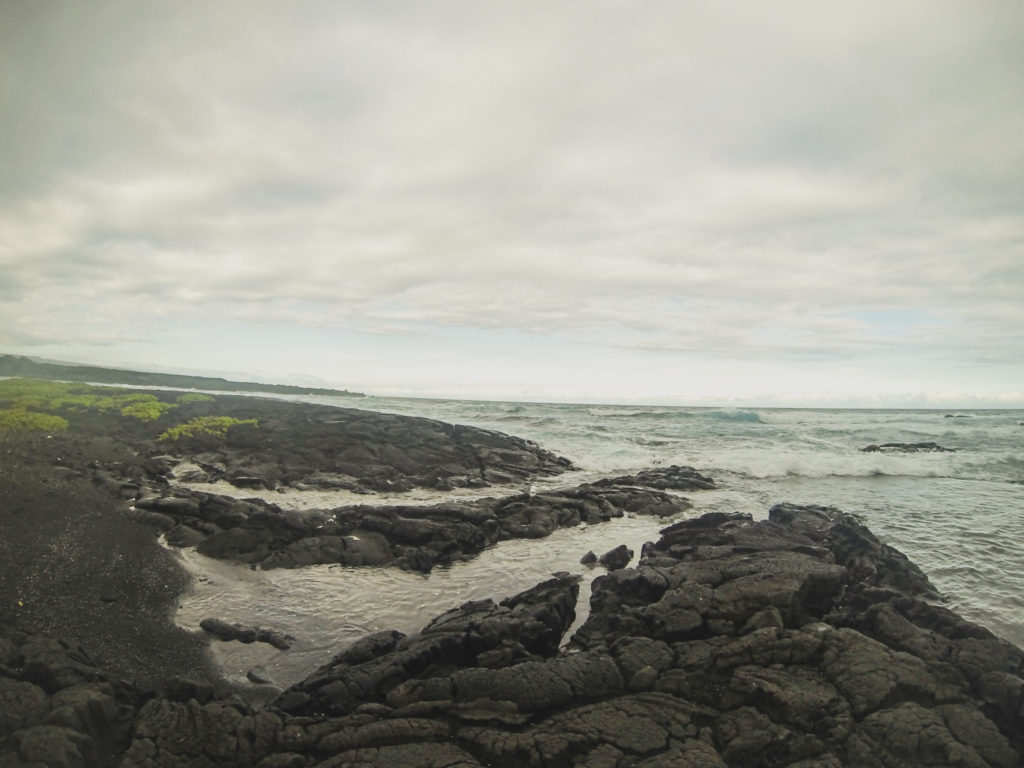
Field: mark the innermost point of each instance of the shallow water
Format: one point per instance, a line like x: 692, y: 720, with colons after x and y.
x: 958, y: 515
x: 326, y: 608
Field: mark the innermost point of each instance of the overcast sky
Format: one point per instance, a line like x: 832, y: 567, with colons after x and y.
x: 732, y: 202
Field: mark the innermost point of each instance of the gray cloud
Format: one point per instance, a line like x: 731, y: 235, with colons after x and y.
x: 733, y: 180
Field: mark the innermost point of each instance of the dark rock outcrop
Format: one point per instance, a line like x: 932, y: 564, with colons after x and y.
x: 617, y: 558
x: 264, y: 443
x: 389, y: 667
x: 307, y: 446
x: 412, y: 537
x: 243, y: 634
x: 57, y: 708
x: 797, y: 641
x: 673, y: 478
x: 800, y: 640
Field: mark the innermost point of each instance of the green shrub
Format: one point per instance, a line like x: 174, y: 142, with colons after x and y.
x: 195, y: 397
x: 32, y: 393
x: 212, y: 426
x: 50, y: 396
x: 14, y: 389
x: 56, y: 395
x: 147, y: 410
x: 137, y: 397
x: 19, y: 419
x: 76, y: 403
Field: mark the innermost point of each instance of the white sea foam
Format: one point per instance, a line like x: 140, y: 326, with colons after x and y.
x: 289, y: 498
x: 758, y: 464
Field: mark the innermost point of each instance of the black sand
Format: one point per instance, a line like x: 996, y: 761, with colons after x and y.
x: 72, y: 566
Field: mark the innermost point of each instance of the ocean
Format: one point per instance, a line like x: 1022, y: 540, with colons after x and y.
x: 959, y: 514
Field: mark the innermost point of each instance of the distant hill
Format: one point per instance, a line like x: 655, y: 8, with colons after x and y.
x: 13, y: 365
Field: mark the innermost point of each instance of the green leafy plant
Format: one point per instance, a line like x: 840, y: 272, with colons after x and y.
x: 195, y: 397
x: 147, y: 410
x: 211, y: 426
x: 20, y: 419
x: 32, y: 393
x: 49, y: 396
x: 81, y: 402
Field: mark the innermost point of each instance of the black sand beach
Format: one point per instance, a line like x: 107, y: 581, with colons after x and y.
x: 75, y: 567
x: 796, y: 641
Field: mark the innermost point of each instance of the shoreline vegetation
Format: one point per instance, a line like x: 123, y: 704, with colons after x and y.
x: 801, y: 640
x: 15, y: 366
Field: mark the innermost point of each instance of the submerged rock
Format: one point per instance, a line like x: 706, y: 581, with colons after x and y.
x: 928, y: 447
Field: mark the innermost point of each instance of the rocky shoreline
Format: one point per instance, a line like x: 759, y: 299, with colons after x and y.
x: 412, y: 537
x: 797, y: 641
x: 800, y: 640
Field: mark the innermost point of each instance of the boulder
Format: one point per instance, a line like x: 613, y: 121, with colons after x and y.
x: 225, y: 631
x: 616, y: 559
x: 54, y: 746
x: 57, y: 708
x: 185, y: 536
x: 21, y: 703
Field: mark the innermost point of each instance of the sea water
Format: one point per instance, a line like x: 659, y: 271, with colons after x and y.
x: 958, y: 514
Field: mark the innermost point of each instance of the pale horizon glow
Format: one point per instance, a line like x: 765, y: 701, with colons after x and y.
x: 734, y: 204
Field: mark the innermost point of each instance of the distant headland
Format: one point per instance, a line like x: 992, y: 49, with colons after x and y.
x: 14, y: 365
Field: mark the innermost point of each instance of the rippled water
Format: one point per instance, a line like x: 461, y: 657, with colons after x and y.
x: 959, y: 515
x: 328, y: 607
